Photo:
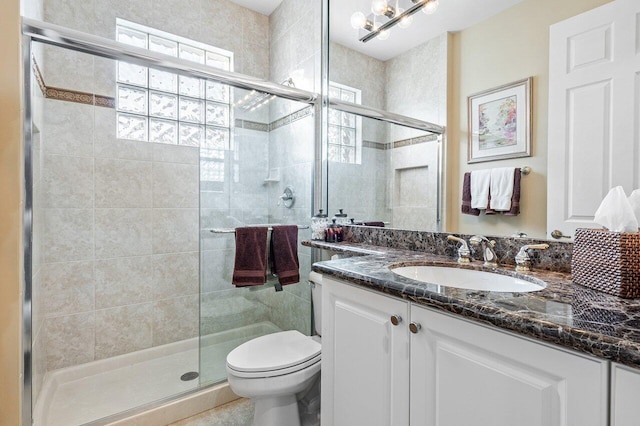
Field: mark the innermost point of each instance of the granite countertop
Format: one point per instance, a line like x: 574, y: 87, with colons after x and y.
x: 563, y: 313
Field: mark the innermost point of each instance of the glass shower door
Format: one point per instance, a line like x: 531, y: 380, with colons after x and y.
x: 115, y: 272
x: 269, y: 147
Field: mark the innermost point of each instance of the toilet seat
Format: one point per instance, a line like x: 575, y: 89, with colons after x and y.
x: 275, y: 354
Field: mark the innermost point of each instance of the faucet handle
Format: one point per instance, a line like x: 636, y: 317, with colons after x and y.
x: 464, y: 254
x: 523, y: 261
x: 490, y: 258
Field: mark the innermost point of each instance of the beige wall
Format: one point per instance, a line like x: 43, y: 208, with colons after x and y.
x: 10, y: 212
x: 507, y: 47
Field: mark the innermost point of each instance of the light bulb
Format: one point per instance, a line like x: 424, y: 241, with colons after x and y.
x: 430, y: 7
x: 379, y: 7
x: 358, y: 20
x: 406, y: 21
x: 383, y: 35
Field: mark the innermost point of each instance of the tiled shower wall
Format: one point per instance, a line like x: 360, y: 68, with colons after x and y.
x: 119, y: 219
x: 384, y: 186
x: 120, y: 239
x: 241, y: 201
x: 294, y: 29
x: 362, y: 189
x: 421, y: 95
x: 413, y: 92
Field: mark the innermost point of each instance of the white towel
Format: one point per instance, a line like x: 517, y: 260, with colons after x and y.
x: 480, y: 182
x: 502, y: 188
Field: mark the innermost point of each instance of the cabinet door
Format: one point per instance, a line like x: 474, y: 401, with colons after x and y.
x: 625, y: 389
x: 365, y: 358
x: 463, y: 373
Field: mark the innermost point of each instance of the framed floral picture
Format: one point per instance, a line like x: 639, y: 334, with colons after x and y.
x: 500, y: 122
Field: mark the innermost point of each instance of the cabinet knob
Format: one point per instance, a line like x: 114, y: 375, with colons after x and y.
x: 414, y: 327
x: 396, y: 319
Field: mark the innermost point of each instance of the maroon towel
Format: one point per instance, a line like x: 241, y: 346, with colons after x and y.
x: 250, y: 266
x: 378, y: 224
x: 284, y: 252
x: 466, y: 196
x: 515, y: 197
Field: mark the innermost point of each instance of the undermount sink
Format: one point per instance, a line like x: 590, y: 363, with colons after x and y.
x: 469, y: 279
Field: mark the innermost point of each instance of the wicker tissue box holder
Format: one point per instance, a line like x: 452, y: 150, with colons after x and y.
x: 607, y: 261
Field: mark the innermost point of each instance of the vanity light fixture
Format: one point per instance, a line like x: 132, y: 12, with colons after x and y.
x: 254, y: 100
x: 390, y: 9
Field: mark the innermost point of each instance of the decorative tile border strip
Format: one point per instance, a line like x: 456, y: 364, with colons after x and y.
x: 375, y: 145
x: 79, y: 97
x: 104, y: 101
x: 298, y: 115
x: 76, y: 96
x: 38, y: 75
x: 415, y: 141
x: 251, y: 125
x: 264, y: 127
x: 400, y: 143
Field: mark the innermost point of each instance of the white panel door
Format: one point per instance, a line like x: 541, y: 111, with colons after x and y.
x: 594, y: 112
x: 365, y: 358
x: 467, y: 374
x: 625, y: 390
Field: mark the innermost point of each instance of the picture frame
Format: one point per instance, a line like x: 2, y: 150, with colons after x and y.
x: 500, y: 122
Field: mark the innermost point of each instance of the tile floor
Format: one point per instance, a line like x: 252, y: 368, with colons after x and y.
x: 236, y: 413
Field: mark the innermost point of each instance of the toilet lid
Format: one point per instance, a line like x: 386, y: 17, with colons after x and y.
x: 275, y: 351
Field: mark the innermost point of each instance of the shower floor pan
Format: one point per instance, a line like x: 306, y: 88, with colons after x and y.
x: 88, y: 392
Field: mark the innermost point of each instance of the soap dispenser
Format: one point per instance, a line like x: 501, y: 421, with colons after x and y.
x: 341, y: 218
x: 319, y: 224
x: 335, y: 233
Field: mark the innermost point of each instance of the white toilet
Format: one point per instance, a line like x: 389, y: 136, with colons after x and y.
x: 273, y: 369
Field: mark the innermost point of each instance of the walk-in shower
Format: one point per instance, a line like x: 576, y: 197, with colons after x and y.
x: 150, y: 136
x: 144, y: 151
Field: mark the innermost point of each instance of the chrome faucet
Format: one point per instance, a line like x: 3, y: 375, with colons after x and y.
x: 464, y: 254
x: 490, y: 258
x: 523, y: 261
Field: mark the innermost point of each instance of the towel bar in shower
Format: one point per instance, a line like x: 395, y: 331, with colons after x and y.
x: 233, y: 230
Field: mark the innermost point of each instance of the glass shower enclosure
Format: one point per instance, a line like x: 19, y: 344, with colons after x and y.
x: 141, y: 164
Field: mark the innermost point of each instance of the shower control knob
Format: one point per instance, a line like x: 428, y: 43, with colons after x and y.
x: 414, y: 327
x: 396, y: 319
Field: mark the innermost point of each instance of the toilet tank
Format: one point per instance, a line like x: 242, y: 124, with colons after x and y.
x: 315, y: 280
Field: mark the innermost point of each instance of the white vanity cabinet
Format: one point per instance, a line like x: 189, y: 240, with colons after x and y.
x: 463, y: 373
x: 450, y: 372
x: 625, y: 391
x: 365, y: 357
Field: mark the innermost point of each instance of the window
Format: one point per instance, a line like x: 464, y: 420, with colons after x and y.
x: 345, y: 129
x: 162, y: 107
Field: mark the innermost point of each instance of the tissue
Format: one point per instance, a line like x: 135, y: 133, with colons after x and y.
x: 634, y: 200
x: 616, y: 213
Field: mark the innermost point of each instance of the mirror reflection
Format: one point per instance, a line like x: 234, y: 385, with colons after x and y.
x: 379, y: 173
x: 393, y: 176
x: 428, y: 69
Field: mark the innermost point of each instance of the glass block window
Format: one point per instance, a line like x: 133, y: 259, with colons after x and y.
x: 163, y: 107
x: 345, y: 129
